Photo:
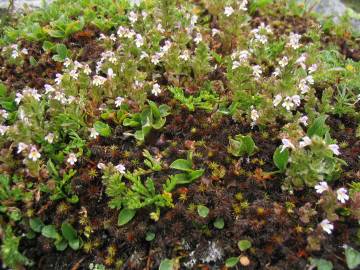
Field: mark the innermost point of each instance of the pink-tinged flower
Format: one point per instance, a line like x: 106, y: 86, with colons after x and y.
x: 101, y: 166
x: 335, y: 149
x: 327, y: 226
x: 34, y: 154
x: 3, y: 130
x: 321, y: 187
x: 111, y: 73
x: 119, y: 101
x: 304, y: 120
x: 342, y: 195
x: 71, y: 159
x: 306, y: 141
x: 120, y: 168
x: 277, y: 100
x: 243, y: 5
x: 286, y: 144
x: 156, y: 90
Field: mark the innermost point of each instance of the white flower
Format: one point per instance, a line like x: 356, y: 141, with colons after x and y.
x: 301, y: 60
x: 59, y: 78
x: 277, y: 100
x: 286, y: 144
x: 156, y: 90
x: 14, y: 54
x: 155, y: 59
x: 313, y: 68
x: 21, y: 147
x: 111, y: 73
x: 93, y: 133
x: 276, y: 72
x: 49, y: 89
x: 342, y: 195
x: 119, y: 101
x: 25, y: 51
x: 4, y: 114
x: 120, y: 168
x: 143, y: 55
x: 243, y: 5
x: 34, y: 155
x: 228, y: 11
x: 254, y: 115
x: 87, y: 69
x: 310, y: 79
x: 101, y: 166
x: 139, y: 41
x: 296, y: 99
x: 294, y: 40
x: 98, y: 80
x: 185, y: 55
x: 215, y: 32
x: 327, y: 226
x: 67, y: 62
x: 335, y: 149
x: 3, y: 130
x: 50, y: 138
x: 71, y: 159
x: 160, y: 28
x: 304, y: 88
x: 74, y: 74
x: 236, y: 64
x: 198, y: 38
x: 321, y: 187
x: 304, y: 120
x: 288, y: 103
x: 244, y: 56
x: 133, y: 17
x: 305, y: 142
x: 257, y: 71
x: 135, y: 2
x: 284, y: 61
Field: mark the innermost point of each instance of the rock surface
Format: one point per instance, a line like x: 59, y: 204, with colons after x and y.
x: 20, y: 3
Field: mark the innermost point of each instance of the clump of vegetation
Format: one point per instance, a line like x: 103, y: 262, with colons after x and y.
x: 152, y: 134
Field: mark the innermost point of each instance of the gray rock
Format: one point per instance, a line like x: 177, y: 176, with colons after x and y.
x: 336, y: 9
x: 19, y: 4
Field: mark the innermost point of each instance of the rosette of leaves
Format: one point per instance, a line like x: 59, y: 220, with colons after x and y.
x: 152, y: 117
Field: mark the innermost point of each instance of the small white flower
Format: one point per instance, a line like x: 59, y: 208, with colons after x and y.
x: 304, y: 88
x: 87, y: 69
x: 277, y: 100
x: 25, y: 51
x: 34, y: 154
x: 276, y: 72
x: 228, y: 11
x: 98, y: 80
x: 101, y: 166
x: 254, y: 115
x: 185, y: 56
x: 21, y: 147
x: 294, y: 40
x: 304, y: 120
x: 50, y: 138
x: 301, y: 60
x: 14, y: 54
x: 3, y: 130
x: 120, y: 168
x: 321, y: 187
x: 342, y: 195
x: 327, y: 226
x: 67, y: 62
x: 111, y: 73
x: 93, y: 133
x: 74, y: 74
x: 257, y: 71
x: 198, y: 38
x: 335, y: 149
x: 306, y: 141
x: 235, y: 65
x: 310, y: 79
x: 286, y: 144
x: 284, y: 61
x: 139, y: 41
x: 155, y: 59
x: 288, y: 103
x: 313, y: 68
x: 49, y: 89
x: 135, y: 2
x: 133, y: 17
x: 58, y: 78
x: 156, y: 90
x: 4, y: 114
x: 215, y: 32
x: 144, y: 55
x: 71, y: 159
x: 243, y: 5
x: 119, y: 101
x: 296, y: 99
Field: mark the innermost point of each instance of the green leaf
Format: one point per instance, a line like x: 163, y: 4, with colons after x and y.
x: 203, y: 211
x: 68, y: 232
x: 36, y: 224
x: 48, y: 46
x: 244, y: 245
x: 318, y: 127
x: 352, y: 257
x: 75, y: 244
x: 102, y: 128
x: 3, y: 90
x: 182, y: 165
x: 231, y: 262
x: 150, y: 236
x: 242, y: 145
x: 219, y: 223
x: 166, y: 264
x: 321, y: 264
x: 125, y: 216
x: 49, y: 231
x: 61, y: 244
x: 281, y: 159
